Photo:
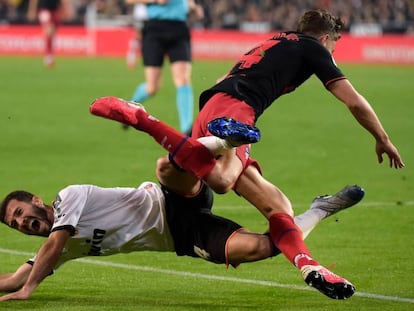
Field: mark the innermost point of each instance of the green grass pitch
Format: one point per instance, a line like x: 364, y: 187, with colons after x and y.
x: 311, y: 145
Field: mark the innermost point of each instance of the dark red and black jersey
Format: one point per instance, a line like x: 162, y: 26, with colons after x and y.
x: 50, y: 5
x: 275, y: 67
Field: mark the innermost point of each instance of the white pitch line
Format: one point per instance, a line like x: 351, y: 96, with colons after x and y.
x: 210, y: 277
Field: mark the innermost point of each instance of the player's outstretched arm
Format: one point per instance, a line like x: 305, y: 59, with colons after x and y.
x: 366, y: 116
x: 46, y: 260
x: 14, y: 281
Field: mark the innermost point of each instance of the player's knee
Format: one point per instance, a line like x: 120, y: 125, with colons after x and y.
x: 220, y: 188
x: 221, y: 185
x: 221, y: 182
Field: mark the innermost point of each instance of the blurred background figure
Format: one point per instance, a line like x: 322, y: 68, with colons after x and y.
x: 139, y: 14
x: 49, y: 13
x: 165, y: 32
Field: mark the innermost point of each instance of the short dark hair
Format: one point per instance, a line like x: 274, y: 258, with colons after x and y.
x: 318, y: 22
x: 19, y: 195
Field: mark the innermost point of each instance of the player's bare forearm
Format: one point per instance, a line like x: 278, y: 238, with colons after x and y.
x: 366, y: 116
x: 359, y: 107
x: 47, y: 257
x: 369, y: 120
x: 46, y: 260
x: 14, y: 281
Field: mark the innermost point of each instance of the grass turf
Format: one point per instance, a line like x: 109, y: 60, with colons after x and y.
x: 311, y: 145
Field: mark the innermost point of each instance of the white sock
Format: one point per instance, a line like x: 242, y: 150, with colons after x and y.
x: 216, y: 145
x: 308, y: 220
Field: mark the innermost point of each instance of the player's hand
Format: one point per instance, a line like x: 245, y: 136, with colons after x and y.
x: 21, y: 294
x: 392, y: 153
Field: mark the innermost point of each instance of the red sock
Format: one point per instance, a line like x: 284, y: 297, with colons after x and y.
x: 187, y: 152
x: 287, y: 237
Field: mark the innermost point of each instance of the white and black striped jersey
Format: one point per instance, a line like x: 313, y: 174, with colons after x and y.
x: 105, y: 221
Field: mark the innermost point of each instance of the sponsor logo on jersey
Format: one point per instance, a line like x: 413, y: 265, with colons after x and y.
x: 98, y: 236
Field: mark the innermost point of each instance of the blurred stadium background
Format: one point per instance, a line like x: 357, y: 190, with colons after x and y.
x: 376, y: 31
x: 386, y: 16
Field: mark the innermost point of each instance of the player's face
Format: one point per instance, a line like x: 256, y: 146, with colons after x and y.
x: 29, y: 218
x: 329, y: 42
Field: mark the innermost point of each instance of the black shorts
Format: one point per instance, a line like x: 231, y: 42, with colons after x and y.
x: 195, y: 230
x: 163, y: 37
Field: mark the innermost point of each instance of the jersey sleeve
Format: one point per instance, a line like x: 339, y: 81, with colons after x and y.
x: 68, y: 207
x: 323, y: 64
x: 32, y: 260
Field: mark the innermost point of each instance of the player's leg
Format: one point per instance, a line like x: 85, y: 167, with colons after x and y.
x: 239, y: 117
x: 244, y: 246
x: 179, y: 181
x: 264, y: 195
x: 181, y: 74
x: 179, y: 53
x: 48, y: 20
x: 241, y: 245
x: 324, y: 206
x: 151, y: 85
x: 190, y: 154
x: 276, y: 207
x: 287, y: 236
x: 153, y: 59
x: 187, y: 152
x: 185, y: 182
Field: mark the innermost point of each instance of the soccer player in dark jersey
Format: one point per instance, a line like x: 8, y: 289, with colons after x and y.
x: 271, y: 69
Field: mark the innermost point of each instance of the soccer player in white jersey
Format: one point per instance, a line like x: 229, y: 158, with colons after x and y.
x: 87, y: 220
